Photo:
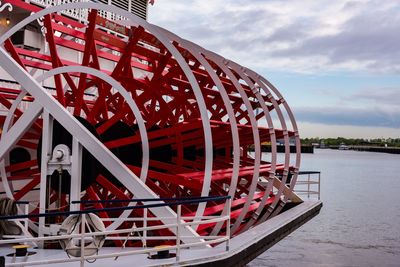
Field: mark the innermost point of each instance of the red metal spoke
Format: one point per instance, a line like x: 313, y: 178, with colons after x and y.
x: 111, y: 187
x: 123, y: 67
x: 18, y: 113
x: 8, y: 45
x: 89, y: 45
x: 21, y: 166
x: 125, y: 59
x: 161, y: 133
x: 92, y: 195
x: 55, y: 58
x: 27, y: 144
x: 27, y: 188
x: 100, y: 106
x: 114, y: 119
x: 24, y: 175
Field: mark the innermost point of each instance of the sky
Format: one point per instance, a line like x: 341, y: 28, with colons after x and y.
x: 337, y: 63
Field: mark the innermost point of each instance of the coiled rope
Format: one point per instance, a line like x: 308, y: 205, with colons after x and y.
x: 8, y: 207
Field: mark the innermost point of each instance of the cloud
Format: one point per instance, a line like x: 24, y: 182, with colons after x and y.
x: 317, y: 37
x: 301, y: 36
x: 387, y: 97
x: 366, y: 41
x: 377, y: 117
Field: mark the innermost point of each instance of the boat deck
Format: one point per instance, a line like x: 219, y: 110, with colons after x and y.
x: 243, y: 248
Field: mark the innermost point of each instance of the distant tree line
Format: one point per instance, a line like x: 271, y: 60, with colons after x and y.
x: 392, y: 142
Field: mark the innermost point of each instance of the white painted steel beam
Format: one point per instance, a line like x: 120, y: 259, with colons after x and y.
x: 223, y: 65
x: 47, y: 141
x: 11, y: 137
x: 267, y: 87
x: 196, y: 52
x: 76, y: 171
x: 255, y: 216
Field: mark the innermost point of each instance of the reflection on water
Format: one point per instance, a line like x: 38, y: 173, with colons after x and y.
x: 359, y: 224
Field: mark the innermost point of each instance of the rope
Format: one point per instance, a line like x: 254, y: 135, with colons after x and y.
x: 8, y: 207
x: 69, y: 226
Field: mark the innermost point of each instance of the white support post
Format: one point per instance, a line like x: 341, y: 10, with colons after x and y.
x: 76, y: 178
x: 178, y: 233
x: 228, y: 224
x: 26, y: 221
x: 83, y: 224
x: 319, y: 186
x: 47, y: 136
x: 308, y: 186
x: 145, y: 225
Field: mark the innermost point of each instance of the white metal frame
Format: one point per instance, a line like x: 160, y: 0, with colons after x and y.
x: 92, y: 144
x: 82, y: 137
x: 308, y: 184
x: 108, y: 160
x: 196, y: 52
x: 223, y: 65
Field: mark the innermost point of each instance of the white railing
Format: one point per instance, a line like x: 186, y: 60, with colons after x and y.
x: 82, y: 15
x: 308, y: 184
x: 176, y: 223
x: 75, y: 13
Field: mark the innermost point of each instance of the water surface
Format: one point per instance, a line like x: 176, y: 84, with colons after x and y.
x: 359, y: 224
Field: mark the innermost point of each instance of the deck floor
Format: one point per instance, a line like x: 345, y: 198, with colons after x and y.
x: 277, y: 227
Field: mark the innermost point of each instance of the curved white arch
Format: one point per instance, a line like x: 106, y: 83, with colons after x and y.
x: 222, y: 64
x: 128, y: 98
x: 6, y: 127
x: 240, y: 70
x: 196, y: 50
x: 130, y: 102
x: 295, y: 130
x: 277, y: 199
x: 135, y: 109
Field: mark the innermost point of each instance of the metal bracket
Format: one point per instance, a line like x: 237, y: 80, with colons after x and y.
x: 60, y: 159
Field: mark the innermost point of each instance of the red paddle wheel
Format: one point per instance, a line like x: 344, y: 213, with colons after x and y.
x: 180, y: 120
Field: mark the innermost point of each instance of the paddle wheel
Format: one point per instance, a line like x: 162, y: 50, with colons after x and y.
x: 107, y: 110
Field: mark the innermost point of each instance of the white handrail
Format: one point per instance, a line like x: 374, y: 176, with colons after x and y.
x: 308, y: 183
x: 179, y: 222
x: 81, y: 15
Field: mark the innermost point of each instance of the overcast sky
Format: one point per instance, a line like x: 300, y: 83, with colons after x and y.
x: 337, y: 63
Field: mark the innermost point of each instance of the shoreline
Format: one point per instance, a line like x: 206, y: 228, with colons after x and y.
x: 379, y: 149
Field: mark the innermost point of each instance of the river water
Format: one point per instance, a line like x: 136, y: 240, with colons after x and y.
x: 359, y: 224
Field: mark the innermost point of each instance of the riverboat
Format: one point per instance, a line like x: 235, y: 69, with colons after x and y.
x: 122, y: 143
